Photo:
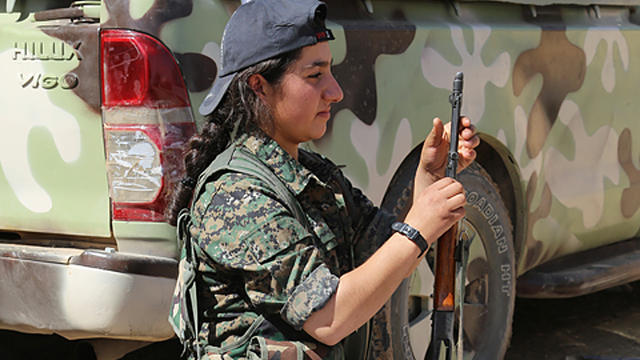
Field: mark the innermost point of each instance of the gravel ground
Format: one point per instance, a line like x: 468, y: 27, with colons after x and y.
x: 603, y: 326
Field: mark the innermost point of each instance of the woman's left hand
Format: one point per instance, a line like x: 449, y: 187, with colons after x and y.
x: 433, y: 159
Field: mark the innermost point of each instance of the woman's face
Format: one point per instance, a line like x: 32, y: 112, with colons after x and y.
x: 301, y: 103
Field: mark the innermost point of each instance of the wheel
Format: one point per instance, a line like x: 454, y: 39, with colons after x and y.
x: 490, y: 273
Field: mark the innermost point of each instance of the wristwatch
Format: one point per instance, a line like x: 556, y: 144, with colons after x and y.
x: 412, y: 234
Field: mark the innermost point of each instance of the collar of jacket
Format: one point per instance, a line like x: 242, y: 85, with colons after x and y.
x: 288, y: 169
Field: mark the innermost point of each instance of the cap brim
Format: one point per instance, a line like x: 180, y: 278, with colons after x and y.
x: 212, y: 100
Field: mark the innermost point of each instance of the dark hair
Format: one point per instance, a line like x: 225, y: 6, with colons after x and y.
x: 240, y: 107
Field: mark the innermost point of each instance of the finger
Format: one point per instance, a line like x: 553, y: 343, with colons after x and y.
x: 469, y: 144
x: 443, y: 183
x: 443, y: 186
x: 434, y: 138
x: 457, y: 201
x: 467, y: 156
x: 452, y: 189
x: 447, y: 131
x: 468, y: 132
x: 465, y: 121
x: 466, y: 126
x: 475, y: 141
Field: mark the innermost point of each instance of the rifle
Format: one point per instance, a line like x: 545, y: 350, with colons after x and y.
x: 442, y: 321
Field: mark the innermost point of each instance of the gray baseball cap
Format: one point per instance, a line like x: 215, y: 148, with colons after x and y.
x: 263, y: 29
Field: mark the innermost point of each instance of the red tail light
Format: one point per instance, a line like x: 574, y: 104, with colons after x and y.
x: 147, y: 120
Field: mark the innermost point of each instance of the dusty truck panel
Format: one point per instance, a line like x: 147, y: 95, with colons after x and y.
x: 72, y: 167
x: 88, y: 161
x: 77, y: 298
x: 556, y: 95
x: 53, y: 177
x: 594, y: 3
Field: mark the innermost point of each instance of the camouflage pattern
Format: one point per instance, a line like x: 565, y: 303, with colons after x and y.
x: 287, y: 350
x: 554, y: 99
x: 551, y: 88
x: 256, y: 259
x: 261, y: 348
x: 572, y: 64
x: 52, y: 177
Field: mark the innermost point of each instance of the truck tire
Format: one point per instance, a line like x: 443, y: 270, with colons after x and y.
x: 490, y: 274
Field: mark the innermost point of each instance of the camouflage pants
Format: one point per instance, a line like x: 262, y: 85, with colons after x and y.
x: 263, y: 341
x: 380, y: 346
x: 267, y: 349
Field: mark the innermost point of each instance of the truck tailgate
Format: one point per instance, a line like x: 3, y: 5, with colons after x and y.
x: 52, y: 162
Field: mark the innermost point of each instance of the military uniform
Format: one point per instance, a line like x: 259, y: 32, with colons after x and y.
x: 261, y: 273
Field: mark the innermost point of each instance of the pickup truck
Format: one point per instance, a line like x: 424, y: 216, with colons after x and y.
x: 100, y: 97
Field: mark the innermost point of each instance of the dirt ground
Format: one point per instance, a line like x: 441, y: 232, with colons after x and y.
x: 603, y: 326
x: 18, y: 346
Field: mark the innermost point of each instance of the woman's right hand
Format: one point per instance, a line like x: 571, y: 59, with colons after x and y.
x: 437, y: 208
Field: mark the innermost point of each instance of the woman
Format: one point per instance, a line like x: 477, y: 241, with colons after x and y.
x: 269, y: 285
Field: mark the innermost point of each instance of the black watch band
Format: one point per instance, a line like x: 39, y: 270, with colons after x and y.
x: 412, y: 234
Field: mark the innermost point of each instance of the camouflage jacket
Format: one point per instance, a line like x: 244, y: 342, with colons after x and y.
x: 255, y: 258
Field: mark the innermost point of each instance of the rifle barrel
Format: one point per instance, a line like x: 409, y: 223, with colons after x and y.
x: 442, y: 340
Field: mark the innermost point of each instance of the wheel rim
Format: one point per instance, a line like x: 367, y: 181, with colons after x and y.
x: 475, y: 299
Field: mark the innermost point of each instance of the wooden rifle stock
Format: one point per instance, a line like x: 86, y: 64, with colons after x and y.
x: 442, y: 323
x: 444, y: 288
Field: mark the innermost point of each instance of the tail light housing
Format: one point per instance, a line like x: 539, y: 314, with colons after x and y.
x: 147, y: 120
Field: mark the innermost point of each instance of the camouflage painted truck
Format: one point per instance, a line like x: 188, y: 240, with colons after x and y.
x: 100, y: 96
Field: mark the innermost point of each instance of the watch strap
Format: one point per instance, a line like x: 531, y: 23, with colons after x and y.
x: 412, y: 234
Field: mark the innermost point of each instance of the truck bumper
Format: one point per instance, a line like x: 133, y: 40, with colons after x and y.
x: 85, y: 293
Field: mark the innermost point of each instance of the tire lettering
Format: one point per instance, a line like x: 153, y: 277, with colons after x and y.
x: 488, y: 211
x: 502, y: 245
x: 497, y: 231
x: 472, y: 197
x: 480, y: 204
x: 505, y: 275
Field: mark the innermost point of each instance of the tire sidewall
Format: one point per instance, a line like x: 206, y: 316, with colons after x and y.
x: 487, y: 213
